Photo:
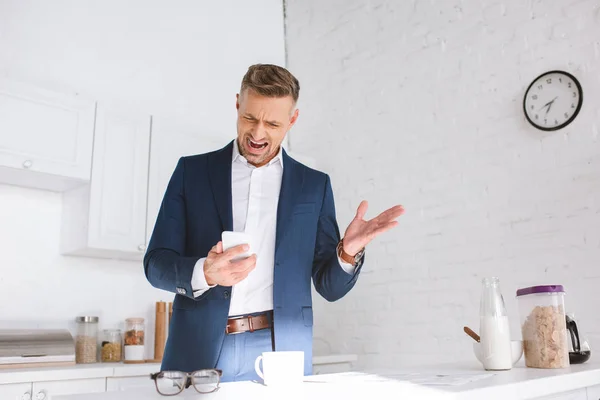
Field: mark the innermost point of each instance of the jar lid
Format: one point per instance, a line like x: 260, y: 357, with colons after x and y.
x: 135, y: 320
x: 541, y: 289
x: 86, y: 319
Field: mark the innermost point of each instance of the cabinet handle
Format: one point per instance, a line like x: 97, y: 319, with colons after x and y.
x: 26, y: 396
x: 27, y: 164
x: 142, y: 247
x: 41, y: 395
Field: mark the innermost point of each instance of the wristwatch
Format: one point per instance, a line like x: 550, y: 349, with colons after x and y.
x: 354, y: 260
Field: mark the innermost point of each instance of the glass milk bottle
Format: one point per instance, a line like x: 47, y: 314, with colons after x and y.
x: 494, y: 327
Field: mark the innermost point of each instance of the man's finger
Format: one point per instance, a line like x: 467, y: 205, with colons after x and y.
x: 384, y: 228
x: 393, y: 212
x: 362, y: 209
x: 219, y: 247
x: 235, y: 251
x: 237, y: 278
x: 390, y: 214
x: 214, y: 249
x: 246, y: 264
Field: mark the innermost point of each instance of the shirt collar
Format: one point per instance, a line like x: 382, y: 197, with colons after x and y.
x: 236, y: 154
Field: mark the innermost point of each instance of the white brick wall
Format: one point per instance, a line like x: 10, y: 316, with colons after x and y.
x: 419, y: 103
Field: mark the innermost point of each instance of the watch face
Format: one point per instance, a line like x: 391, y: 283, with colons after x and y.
x: 553, y: 100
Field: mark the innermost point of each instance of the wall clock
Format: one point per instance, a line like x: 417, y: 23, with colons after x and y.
x: 552, y: 100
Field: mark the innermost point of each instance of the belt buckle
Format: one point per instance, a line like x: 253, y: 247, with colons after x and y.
x: 234, y: 319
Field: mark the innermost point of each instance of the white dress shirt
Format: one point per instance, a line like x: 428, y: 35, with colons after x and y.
x: 255, y: 196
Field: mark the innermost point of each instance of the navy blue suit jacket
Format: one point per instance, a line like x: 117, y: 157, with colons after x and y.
x: 196, y: 209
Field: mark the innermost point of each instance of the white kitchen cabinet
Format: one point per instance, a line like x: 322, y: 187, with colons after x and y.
x: 45, y: 137
x: 15, y: 391
x: 128, y: 382
x: 170, y: 142
x: 107, y: 218
x: 579, y: 394
x: 46, y: 390
x: 593, y: 392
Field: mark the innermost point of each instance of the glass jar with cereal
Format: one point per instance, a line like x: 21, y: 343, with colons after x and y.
x: 134, y: 340
x: 86, y: 340
x: 111, y: 349
x: 543, y: 326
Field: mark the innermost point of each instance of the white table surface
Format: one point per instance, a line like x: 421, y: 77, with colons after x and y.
x: 104, y: 370
x: 518, y: 383
x: 252, y: 390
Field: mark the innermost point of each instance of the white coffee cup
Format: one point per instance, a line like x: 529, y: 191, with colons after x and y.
x: 280, y: 367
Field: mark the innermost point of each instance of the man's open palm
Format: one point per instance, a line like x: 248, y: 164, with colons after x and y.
x: 360, y: 232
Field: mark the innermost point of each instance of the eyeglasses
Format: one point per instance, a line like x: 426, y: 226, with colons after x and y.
x: 170, y: 383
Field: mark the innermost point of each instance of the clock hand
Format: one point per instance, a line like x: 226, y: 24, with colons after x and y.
x: 549, y: 104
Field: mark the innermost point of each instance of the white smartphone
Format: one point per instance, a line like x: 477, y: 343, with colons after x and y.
x: 231, y: 239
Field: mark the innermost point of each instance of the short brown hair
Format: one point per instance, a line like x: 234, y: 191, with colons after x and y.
x: 271, y: 81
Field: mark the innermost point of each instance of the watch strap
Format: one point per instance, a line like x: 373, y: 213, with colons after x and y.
x: 353, y: 260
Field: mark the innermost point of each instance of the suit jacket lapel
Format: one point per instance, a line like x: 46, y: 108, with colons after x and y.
x: 219, y: 172
x: 291, y: 188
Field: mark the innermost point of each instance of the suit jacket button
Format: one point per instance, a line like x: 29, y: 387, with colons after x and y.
x: 226, y: 294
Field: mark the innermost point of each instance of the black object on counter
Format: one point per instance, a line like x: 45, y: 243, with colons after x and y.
x: 577, y: 356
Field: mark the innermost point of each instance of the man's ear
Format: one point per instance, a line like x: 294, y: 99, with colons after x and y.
x: 294, y: 118
x: 237, y: 101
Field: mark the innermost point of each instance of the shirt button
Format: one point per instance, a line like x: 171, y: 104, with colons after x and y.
x: 226, y: 294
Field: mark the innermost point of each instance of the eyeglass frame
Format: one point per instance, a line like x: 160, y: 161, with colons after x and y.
x: 188, y: 380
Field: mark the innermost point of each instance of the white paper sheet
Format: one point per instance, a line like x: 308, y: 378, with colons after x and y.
x: 441, y: 379
x: 418, y: 378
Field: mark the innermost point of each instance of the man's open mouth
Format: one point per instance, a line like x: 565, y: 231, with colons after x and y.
x: 257, y: 145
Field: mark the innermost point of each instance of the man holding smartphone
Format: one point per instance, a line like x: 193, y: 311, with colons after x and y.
x: 227, y: 310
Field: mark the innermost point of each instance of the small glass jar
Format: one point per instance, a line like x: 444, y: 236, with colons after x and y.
x: 111, y: 347
x: 86, y: 340
x: 134, y: 339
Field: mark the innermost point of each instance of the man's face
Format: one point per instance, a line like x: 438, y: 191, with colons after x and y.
x: 262, y: 125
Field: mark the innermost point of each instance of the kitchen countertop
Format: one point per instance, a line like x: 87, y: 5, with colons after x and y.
x: 518, y: 383
x: 105, y: 370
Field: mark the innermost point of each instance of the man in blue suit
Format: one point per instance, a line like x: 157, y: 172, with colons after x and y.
x: 226, y: 312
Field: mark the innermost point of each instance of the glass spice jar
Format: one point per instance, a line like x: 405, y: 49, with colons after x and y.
x: 111, y: 348
x: 86, y: 340
x: 134, y: 339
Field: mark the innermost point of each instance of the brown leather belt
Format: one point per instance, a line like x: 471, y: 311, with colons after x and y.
x: 249, y: 323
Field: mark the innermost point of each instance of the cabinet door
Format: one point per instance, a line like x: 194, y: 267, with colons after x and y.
x: 593, y: 392
x: 45, y: 137
x: 129, y: 382
x: 15, y: 391
x: 169, y: 143
x: 108, y: 217
x: 119, y: 182
x: 579, y: 394
x: 46, y: 390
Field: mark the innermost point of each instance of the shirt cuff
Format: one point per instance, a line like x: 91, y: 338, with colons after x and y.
x: 199, y: 284
x: 348, y: 268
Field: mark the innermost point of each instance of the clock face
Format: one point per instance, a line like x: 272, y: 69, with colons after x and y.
x: 553, y: 100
